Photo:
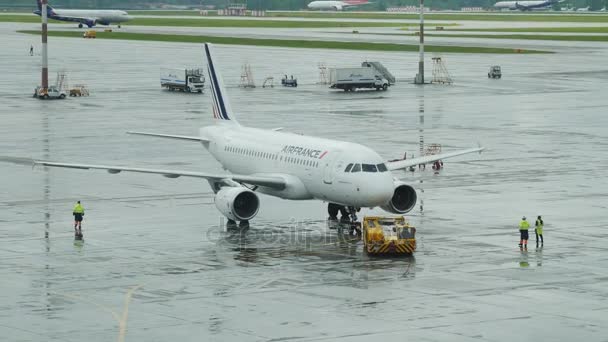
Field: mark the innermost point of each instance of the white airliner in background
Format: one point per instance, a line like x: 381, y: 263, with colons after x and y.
x: 335, y: 5
x: 286, y: 165
x: 85, y: 17
x: 526, y: 5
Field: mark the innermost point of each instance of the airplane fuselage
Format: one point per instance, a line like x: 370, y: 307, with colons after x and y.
x: 88, y: 17
x: 314, y: 167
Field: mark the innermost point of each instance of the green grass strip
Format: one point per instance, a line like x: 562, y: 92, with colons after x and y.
x: 220, y: 22
x: 310, y: 44
x: 600, y: 29
x: 572, y: 38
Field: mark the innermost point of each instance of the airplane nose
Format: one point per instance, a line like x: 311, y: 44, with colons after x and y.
x: 377, y: 192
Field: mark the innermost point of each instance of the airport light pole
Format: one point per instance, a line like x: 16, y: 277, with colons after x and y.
x: 420, y: 77
x: 45, y: 62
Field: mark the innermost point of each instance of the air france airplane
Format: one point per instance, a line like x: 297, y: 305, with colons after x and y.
x: 290, y: 166
x: 335, y: 5
x: 526, y: 5
x: 85, y: 17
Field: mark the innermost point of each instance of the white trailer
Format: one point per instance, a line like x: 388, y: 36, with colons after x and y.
x: 350, y: 79
x: 187, y: 80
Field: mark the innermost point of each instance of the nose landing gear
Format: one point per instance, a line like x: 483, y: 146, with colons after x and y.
x: 348, y: 218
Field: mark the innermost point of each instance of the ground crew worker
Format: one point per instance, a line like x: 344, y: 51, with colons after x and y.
x: 523, y: 232
x: 539, y: 230
x: 31, y: 50
x: 78, y: 213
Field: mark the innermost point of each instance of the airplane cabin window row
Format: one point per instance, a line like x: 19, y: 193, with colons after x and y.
x: 271, y: 156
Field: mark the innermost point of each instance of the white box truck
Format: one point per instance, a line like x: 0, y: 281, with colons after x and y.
x: 350, y: 79
x: 188, y: 80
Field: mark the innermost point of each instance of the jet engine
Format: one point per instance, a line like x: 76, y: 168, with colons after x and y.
x: 90, y: 23
x: 403, y: 200
x: 237, y: 203
x: 337, y: 7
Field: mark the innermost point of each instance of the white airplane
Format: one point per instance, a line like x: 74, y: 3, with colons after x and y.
x: 583, y: 9
x: 85, y: 17
x: 335, y: 5
x: 290, y: 166
x: 526, y: 5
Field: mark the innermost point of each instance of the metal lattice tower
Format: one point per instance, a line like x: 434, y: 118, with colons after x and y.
x: 247, y: 77
x: 440, y: 72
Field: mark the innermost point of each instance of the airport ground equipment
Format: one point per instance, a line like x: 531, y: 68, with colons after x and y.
x: 79, y: 90
x: 380, y: 69
x: 350, y: 79
x: 57, y: 91
x: 246, y: 77
x: 495, y: 72
x: 388, y: 235
x: 89, y: 34
x: 187, y: 80
x: 289, y: 82
x: 268, y: 82
x: 440, y: 72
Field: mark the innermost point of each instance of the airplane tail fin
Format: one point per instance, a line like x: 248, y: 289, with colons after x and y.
x: 49, y: 9
x: 221, y: 104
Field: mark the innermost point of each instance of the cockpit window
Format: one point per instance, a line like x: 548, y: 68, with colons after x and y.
x: 356, y: 168
x: 348, y: 167
x: 382, y: 168
x: 369, y: 168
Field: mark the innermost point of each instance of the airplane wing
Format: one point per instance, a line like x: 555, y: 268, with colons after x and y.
x: 403, y: 164
x: 275, y: 182
x: 170, y: 136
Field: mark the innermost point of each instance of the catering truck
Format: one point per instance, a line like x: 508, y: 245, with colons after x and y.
x: 370, y: 75
x: 187, y: 80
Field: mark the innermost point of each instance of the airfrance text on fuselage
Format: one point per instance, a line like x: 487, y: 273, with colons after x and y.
x: 303, y: 152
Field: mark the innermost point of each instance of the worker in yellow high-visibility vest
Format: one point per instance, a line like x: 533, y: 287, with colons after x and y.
x: 538, y: 229
x: 78, y: 213
x: 523, y: 232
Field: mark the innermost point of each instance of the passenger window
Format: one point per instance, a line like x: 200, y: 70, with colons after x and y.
x: 369, y: 168
x: 356, y: 168
x: 348, y: 167
x: 382, y: 168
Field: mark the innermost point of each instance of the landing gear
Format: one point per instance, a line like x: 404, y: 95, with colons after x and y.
x: 80, y: 25
x: 348, y: 218
x: 231, y: 224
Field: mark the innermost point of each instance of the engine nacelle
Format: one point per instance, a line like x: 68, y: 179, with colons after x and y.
x: 337, y: 7
x: 403, y: 200
x: 237, y: 203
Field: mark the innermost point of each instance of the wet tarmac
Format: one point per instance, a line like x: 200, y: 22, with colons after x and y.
x: 157, y: 265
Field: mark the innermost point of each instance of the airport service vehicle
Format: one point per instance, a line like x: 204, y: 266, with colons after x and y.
x: 79, y: 90
x: 188, y: 80
x: 282, y: 164
x: 85, y: 17
x: 89, y: 34
x: 495, y: 72
x: 52, y: 92
x: 350, y: 79
x: 388, y: 235
x: 289, y: 82
x: 335, y: 5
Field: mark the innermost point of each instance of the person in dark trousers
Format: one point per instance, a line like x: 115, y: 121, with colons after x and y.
x: 539, y: 229
x: 78, y: 213
x: 31, y: 50
x: 523, y: 233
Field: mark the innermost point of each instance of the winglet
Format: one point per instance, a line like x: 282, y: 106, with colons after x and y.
x: 221, y: 104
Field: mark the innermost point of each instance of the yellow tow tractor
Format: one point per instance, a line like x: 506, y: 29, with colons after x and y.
x: 89, y: 34
x: 388, y: 235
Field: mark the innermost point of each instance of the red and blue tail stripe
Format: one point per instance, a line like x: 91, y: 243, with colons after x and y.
x: 221, y: 105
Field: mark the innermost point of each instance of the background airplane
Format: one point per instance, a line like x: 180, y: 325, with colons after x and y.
x: 525, y: 5
x: 86, y: 17
x: 346, y: 175
x: 336, y: 5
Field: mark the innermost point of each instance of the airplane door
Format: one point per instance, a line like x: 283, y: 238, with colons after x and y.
x: 331, y: 167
